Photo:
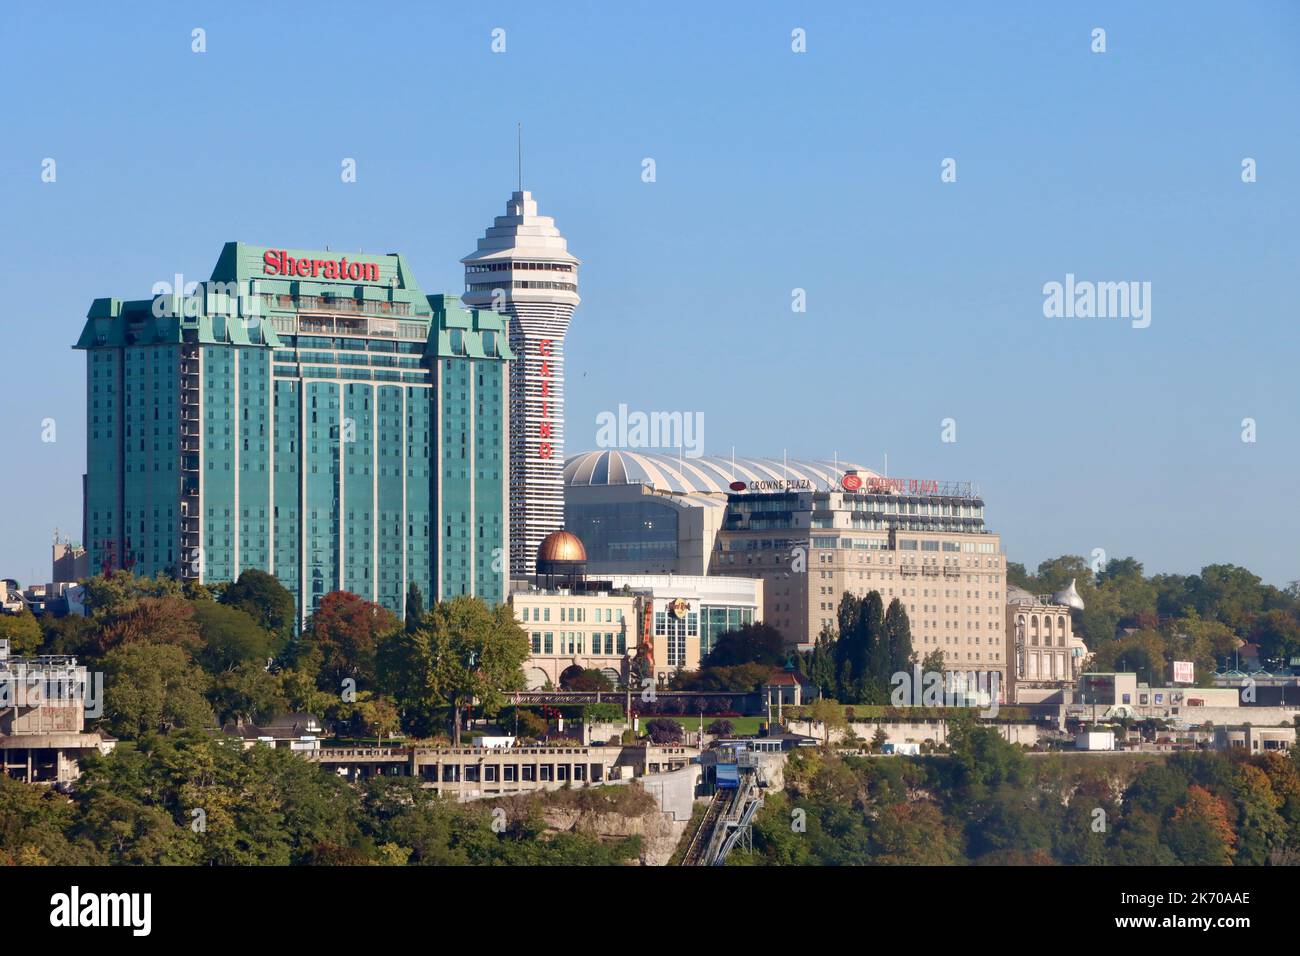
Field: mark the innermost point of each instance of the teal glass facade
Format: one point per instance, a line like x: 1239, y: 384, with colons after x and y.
x: 341, y: 434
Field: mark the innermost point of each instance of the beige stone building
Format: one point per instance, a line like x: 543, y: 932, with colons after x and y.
x: 930, y: 551
x: 810, y: 530
x: 1045, y: 655
x: 597, y: 630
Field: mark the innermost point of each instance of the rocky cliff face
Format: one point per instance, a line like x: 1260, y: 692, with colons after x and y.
x: 659, y: 833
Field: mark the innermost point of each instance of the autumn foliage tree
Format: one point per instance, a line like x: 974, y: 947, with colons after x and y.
x: 347, y: 630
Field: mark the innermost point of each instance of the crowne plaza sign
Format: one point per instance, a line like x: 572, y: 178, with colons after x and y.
x: 278, y: 262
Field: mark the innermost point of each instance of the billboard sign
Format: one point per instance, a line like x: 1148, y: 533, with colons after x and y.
x: 1184, y: 672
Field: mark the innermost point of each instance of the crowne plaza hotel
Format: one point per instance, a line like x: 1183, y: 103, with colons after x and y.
x: 307, y: 413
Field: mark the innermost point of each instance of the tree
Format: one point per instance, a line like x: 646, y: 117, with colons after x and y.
x: 379, y: 717
x: 821, y: 662
x: 588, y: 679
x: 260, y: 806
x: 106, y: 595
x: 1277, y: 633
x: 71, y: 634
x: 663, y: 730
x: 414, y: 606
x: 348, y: 630
x: 1260, y: 828
x: 407, y: 675
x: 1226, y: 593
x: 1057, y: 573
x: 530, y: 724
x: 23, y: 632
x: 914, y: 834
x: 720, y: 728
x: 1200, y: 832
x: 248, y: 692
x: 827, y: 712
x: 230, y: 637
x: 33, y: 825
x: 263, y: 598
x: 741, y: 679
x: 878, y: 740
x: 981, y: 759
x: 898, y: 639
x: 153, y: 687
x: 151, y: 620
x: 750, y: 644
x: 477, y: 653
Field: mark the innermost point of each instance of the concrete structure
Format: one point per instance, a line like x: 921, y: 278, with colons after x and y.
x: 919, y: 731
x: 523, y: 270
x: 1044, y: 655
x: 1255, y: 740
x: 69, y: 561
x: 1106, y: 696
x: 811, y: 530
x: 470, y: 773
x: 1095, y: 740
x: 43, y: 703
x: 311, y: 414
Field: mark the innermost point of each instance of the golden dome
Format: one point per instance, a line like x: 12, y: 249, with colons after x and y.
x: 561, y: 546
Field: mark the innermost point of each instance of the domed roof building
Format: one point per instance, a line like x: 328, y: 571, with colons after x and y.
x: 561, y: 560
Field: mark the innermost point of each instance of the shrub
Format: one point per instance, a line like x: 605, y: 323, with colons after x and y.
x: 665, y: 731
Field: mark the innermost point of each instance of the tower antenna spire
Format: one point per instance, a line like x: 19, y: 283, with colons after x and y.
x: 519, y: 131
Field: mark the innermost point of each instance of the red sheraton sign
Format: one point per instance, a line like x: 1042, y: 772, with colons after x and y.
x: 277, y: 262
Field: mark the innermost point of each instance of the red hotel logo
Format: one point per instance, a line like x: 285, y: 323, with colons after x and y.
x: 851, y: 482
x: 277, y: 262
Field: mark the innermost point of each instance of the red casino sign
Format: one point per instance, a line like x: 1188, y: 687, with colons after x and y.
x: 851, y: 481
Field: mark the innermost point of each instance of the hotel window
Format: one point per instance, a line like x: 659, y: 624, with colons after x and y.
x: 547, y: 643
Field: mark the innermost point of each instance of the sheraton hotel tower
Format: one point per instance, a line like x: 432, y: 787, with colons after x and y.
x: 318, y: 416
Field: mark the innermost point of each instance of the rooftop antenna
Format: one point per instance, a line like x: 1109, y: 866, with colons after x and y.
x: 519, y: 131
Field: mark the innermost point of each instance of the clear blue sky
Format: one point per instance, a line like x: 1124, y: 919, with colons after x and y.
x: 775, y: 170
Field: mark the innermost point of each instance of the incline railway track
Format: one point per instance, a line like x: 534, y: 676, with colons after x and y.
x: 700, y: 841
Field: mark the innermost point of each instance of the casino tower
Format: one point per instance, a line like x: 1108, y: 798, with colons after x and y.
x: 523, y: 270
